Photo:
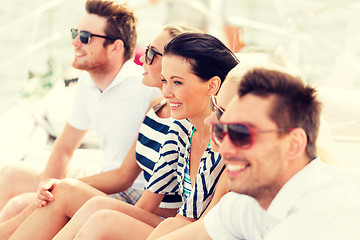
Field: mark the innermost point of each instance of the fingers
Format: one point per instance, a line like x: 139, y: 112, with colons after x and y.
x: 50, y: 185
x: 44, y: 194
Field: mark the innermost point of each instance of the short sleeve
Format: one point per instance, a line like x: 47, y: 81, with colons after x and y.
x: 79, y: 117
x: 234, y: 217
x: 164, y: 177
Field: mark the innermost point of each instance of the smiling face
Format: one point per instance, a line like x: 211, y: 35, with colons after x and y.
x: 152, y: 73
x: 93, y: 56
x: 186, y: 93
x: 259, y: 171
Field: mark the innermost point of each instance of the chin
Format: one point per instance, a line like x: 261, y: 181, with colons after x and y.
x: 233, y: 186
x: 78, y: 66
x: 178, y: 116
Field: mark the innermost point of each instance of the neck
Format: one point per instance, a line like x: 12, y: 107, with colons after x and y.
x: 198, y: 122
x: 267, y: 197
x: 202, y: 130
x: 105, y: 76
x: 270, y: 193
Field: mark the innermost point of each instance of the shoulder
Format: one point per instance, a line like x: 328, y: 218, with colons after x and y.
x: 182, y: 127
x: 156, y: 104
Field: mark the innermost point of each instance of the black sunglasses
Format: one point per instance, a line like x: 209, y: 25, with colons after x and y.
x: 240, y: 134
x: 150, y: 55
x: 85, y: 36
x: 216, y: 108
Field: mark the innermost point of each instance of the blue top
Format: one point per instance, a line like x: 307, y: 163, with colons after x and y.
x: 169, y: 171
x: 152, y: 134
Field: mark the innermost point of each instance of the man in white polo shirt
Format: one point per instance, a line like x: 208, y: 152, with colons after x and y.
x: 111, y: 99
x: 267, y: 138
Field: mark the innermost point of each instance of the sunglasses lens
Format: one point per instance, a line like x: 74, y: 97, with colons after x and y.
x: 212, y: 105
x: 85, y: 37
x: 214, y: 108
x: 74, y: 33
x: 149, y: 55
x: 240, y: 134
x: 219, y: 113
x: 218, y: 132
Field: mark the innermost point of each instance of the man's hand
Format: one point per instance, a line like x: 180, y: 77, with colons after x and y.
x: 44, y: 192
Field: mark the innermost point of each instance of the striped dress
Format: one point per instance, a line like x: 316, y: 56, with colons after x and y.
x: 151, y: 136
x: 170, y: 171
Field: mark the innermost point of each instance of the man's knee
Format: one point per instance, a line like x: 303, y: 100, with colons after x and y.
x: 8, y: 172
x: 65, y: 187
x: 62, y: 194
x: 17, y: 179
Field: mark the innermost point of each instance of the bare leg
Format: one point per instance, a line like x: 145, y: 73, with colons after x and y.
x: 16, y: 205
x: 8, y: 228
x: 167, y: 226
x: 110, y: 224
x: 97, y: 203
x: 15, y: 180
x: 45, y: 222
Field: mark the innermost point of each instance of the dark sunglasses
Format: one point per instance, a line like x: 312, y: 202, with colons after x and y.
x: 216, y: 108
x: 85, y: 36
x: 240, y: 134
x: 150, y: 55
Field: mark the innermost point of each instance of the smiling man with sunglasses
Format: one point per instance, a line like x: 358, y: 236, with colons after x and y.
x: 111, y: 99
x: 267, y: 139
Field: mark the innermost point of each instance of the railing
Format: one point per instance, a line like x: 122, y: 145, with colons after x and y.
x: 31, y: 45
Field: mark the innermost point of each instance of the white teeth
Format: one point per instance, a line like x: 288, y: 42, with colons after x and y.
x: 235, y: 167
x: 78, y: 54
x: 174, y: 104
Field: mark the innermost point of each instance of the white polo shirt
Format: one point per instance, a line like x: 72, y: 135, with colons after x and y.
x: 239, y: 216
x: 115, y: 114
x: 330, y: 222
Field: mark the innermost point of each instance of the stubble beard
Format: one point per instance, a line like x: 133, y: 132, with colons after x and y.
x: 99, y: 65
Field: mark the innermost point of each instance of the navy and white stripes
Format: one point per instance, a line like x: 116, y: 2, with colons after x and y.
x: 152, y: 134
x: 169, y: 171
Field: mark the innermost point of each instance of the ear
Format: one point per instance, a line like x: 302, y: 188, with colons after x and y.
x: 297, y: 143
x: 214, y: 85
x: 117, y: 46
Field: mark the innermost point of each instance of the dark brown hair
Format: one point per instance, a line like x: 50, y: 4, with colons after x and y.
x: 295, y: 103
x: 121, y: 23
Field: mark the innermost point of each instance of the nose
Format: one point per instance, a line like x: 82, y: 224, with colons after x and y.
x: 167, y: 91
x: 76, y: 41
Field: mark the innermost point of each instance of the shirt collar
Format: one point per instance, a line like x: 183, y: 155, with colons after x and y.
x: 128, y: 69
x: 302, y: 182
